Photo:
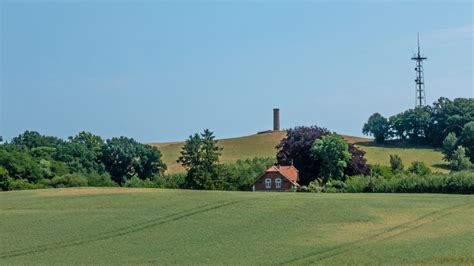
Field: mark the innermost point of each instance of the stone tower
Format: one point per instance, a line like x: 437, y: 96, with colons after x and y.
x: 276, y: 119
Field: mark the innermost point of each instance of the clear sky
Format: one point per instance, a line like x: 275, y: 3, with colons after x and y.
x: 160, y: 71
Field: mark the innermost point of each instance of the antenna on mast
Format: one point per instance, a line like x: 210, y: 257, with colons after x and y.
x: 420, y: 99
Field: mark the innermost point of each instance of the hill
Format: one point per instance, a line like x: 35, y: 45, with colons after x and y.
x: 144, y: 226
x: 263, y: 145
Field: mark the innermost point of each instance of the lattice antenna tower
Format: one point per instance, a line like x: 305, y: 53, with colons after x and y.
x: 420, y: 98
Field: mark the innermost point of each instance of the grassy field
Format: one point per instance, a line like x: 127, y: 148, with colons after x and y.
x: 138, y: 226
x: 264, y: 145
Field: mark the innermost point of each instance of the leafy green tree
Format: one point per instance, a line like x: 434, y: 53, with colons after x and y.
x: 396, y: 163
x: 125, y: 158
x: 243, y: 173
x: 5, y: 179
x: 431, y: 124
x: 459, y: 160
x: 419, y: 168
x: 378, y: 126
x: 449, y: 145
x: 333, y: 152
x: 449, y: 116
x: 82, y: 153
x: 466, y: 139
x: 200, y: 157
x: 89, y: 140
x: 20, y: 165
x: 412, y: 124
x: 32, y: 139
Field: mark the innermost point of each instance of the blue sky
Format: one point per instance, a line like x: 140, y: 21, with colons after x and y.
x: 160, y: 71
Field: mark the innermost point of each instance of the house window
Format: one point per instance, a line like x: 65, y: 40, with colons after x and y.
x: 268, y: 183
x: 278, y: 183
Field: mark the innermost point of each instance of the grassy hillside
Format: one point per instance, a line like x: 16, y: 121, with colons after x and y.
x: 142, y: 226
x: 264, y: 145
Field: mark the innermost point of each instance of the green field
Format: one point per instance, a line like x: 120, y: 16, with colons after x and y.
x: 263, y: 145
x: 142, y: 226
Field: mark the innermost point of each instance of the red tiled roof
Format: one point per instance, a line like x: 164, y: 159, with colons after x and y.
x: 290, y: 172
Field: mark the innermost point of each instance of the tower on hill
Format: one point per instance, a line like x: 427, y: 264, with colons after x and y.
x: 420, y: 99
x: 276, y: 119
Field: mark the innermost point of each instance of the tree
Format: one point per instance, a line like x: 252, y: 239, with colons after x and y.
x: 32, y: 139
x: 357, y: 165
x: 419, y: 168
x: 243, y: 173
x: 82, y: 153
x: 89, y: 140
x: 459, y: 160
x: 20, y: 165
x: 125, y: 158
x: 429, y: 124
x: 378, y: 126
x: 200, y: 157
x: 5, y: 179
x: 294, y: 149
x: 333, y: 153
x: 449, y: 145
x: 210, y: 150
x: 396, y: 163
x: 466, y: 139
x: 412, y: 124
x: 449, y: 116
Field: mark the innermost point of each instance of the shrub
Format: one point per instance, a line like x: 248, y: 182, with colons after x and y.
x: 69, y: 180
x: 459, y: 160
x: 419, y: 168
x: 243, y: 173
x: 177, y: 180
x: 334, y: 186
x: 100, y: 180
x: 22, y: 184
x: 358, y: 184
x: 381, y: 170
x: 459, y: 182
x: 139, y: 183
x: 396, y: 163
x: 318, y: 185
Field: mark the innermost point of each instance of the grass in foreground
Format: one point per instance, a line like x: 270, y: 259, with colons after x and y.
x: 263, y: 145
x: 118, y: 225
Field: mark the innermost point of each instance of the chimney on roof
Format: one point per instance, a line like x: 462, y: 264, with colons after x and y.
x: 276, y: 119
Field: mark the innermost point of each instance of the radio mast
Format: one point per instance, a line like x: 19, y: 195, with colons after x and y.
x: 420, y: 99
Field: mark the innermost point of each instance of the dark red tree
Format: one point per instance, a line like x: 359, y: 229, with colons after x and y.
x: 358, y: 164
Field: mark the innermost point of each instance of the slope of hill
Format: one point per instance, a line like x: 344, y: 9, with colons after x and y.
x: 156, y: 226
x: 263, y: 145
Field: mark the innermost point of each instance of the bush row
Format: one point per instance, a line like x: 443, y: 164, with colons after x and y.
x: 459, y: 183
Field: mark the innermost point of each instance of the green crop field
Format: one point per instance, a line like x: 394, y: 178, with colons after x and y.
x: 143, y: 226
x: 263, y: 145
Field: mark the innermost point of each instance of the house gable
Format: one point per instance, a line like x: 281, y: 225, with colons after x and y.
x: 277, y: 178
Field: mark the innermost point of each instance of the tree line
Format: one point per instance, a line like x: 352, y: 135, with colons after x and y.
x: 446, y: 124
x: 428, y: 125
x: 32, y: 160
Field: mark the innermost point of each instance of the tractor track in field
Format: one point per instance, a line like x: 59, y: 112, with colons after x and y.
x: 386, y: 233
x: 118, y: 232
